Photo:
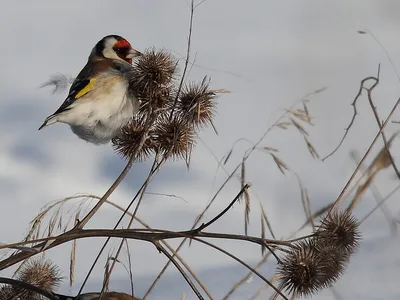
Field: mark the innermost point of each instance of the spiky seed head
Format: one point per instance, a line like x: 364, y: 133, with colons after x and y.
x: 38, y: 272
x: 158, y: 99
x: 334, y: 261
x: 341, y: 230
x: 128, y: 141
x: 153, y: 68
x: 197, y: 103
x: 310, y: 267
x: 175, y: 138
x: 6, y: 292
x: 301, y: 270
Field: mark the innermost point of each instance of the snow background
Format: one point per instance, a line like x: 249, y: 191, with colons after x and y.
x: 268, y: 54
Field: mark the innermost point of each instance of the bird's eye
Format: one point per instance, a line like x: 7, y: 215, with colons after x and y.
x: 118, y: 49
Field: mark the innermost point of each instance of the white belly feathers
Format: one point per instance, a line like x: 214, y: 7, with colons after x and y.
x: 105, y: 110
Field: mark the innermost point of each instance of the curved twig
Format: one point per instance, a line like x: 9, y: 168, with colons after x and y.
x: 28, y: 286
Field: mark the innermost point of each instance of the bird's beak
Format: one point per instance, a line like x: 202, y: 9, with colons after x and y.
x: 133, y: 53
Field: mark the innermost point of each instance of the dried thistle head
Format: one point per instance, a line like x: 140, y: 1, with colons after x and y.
x: 153, y: 68
x: 158, y: 99
x: 151, y: 80
x: 334, y: 261
x: 197, y: 103
x: 127, y: 143
x: 302, y: 271
x: 174, y: 138
x: 340, y: 229
x: 6, y: 292
x: 40, y: 273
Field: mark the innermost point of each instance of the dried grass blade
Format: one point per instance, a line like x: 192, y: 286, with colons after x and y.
x: 284, y: 125
x: 266, y: 220
x: 311, y: 148
x: 246, y: 196
x: 280, y: 164
x: 72, y: 258
x: 262, y: 234
x: 270, y: 149
x: 298, y: 126
x: 228, y: 156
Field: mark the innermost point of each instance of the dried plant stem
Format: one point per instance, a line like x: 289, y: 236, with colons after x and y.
x: 143, y: 190
x: 28, y: 286
x: 151, y: 173
x: 147, y: 235
x: 124, y: 172
x: 243, y: 263
x: 379, y: 200
x: 245, y: 278
x: 180, y: 269
x: 378, y: 121
x: 181, y: 260
x: 192, y: 8
x: 339, y: 199
x: 112, y: 188
x: 213, y: 220
x: 230, y: 176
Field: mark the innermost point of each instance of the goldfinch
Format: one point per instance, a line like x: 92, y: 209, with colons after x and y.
x: 99, y: 102
x: 96, y: 296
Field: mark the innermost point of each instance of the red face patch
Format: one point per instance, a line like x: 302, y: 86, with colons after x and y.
x: 122, y: 48
x: 122, y: 44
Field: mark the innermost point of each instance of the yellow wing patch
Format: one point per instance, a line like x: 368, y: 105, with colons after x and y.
x: 86, y: 89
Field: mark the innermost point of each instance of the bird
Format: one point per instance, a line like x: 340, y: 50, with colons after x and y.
x: 96, y: 296
x: 99, y: 102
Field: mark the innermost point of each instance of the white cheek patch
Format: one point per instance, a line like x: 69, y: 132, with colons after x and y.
x: 110, y: 53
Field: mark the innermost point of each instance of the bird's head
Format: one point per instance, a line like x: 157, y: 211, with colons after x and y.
x: 115, y: 47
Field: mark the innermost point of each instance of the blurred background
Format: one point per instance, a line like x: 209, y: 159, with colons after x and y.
x: 269, y: 55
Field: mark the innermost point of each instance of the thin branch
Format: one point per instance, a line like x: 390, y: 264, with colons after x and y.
x: 213, y: 220
x: 340, y: 197
x: 378, y: 121
x: 28, y: 286
x: 151, y: 173
x: 354, y: 115
x: 230, y: 176
x: 192, y: 8
x: 124, y: 172
x: 146, y: 183
x: 180, y: 269
x: 243, y: 263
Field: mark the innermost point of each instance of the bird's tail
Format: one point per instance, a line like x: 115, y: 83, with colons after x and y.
x: 49, y: 120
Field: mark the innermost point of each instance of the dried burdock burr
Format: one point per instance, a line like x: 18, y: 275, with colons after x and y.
x: 317, y: 262
x: 152, y: 78
x: 340, y: 229
x: 127, y: 143
x: 40, y: 273
x: 175, y: 138
x: 154, y: 67
x: 302, y: 271
x: 6, y: 292
x: 197, y: 103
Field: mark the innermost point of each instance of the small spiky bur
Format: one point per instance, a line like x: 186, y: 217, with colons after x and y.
x: 170, y: 113
x: 341, y: 230
x: 152, y: 78
x: 40, y: 273
x: 319, y: 261
x: 128, y: 141
x: 175, y: 138
x: 6, y: 292
x: 308, y: 268
x: 197, y: 103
